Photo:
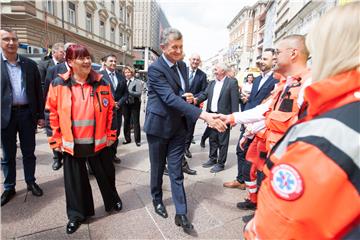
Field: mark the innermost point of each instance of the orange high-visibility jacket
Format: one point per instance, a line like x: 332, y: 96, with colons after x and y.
x: 59, y: 118
x: 283, y: 112
x: 313, y: 191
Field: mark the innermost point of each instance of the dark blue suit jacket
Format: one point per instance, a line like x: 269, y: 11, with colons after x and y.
x: 166, y: 110
x: 199, y: 83
x: 121, y: 92
x: 256, y: 97
x: 32, y: 79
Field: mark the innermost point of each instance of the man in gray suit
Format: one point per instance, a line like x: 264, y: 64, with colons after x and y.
x: 223, y: 97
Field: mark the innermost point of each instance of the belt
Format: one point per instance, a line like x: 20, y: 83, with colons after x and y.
x: 19, y: 107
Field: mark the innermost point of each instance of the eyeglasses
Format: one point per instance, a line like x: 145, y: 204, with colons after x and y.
x: 277, y: 51
x: 7, y: 40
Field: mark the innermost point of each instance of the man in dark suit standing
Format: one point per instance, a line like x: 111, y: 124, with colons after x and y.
x: 120, y: 94
x: 223, y: 97
x: 261, y: 89
x: 197, y: 85
x: 51, y: 73
x: 168, y: 116
x: 57, y: 56
x: 21, y: 110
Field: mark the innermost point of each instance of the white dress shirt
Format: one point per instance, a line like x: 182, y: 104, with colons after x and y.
x: 216, y: 94
x: 113, y: 77
x: 264, y: 78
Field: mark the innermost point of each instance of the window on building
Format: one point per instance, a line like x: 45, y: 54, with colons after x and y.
x: 113, y: 6
x: 112, y: 35
x: 121, y: 14
x: 121, y: 39
x: 102, y: 29
x: 89, y: 25
x: 72, y: 13
x: 49, y: 7
x: 128, y: 43
x: 128, y: 19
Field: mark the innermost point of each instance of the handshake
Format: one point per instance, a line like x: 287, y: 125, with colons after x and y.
x: 218, y: 121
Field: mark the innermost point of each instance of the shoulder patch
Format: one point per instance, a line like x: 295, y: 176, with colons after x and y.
x: 286, y: 182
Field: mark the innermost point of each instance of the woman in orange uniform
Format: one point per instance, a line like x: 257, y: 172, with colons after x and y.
x: 313, y: 188
x: 80, y: 122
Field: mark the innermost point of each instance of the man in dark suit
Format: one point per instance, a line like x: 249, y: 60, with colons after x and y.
x: 197, y: 85
x: 223, y: 97
x: 168, y: 115
x: 57, y: 56
x: 261, y: 89
x: 21, y: 111
x: 120, y: 93
x: 51, y: 73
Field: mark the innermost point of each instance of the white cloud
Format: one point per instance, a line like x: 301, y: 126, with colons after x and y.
x: 203, y: 22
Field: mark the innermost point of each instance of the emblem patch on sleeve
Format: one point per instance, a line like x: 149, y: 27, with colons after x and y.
x: 105, y: 102
x: 286, y: 182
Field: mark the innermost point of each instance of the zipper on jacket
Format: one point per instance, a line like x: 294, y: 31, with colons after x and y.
x: 97, y: 96
x: 82, y: 91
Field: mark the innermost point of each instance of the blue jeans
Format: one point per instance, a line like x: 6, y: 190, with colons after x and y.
x: 21, y: 122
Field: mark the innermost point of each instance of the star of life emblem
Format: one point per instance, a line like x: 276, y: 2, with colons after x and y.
x: 105, y: 102
x: 286, y: 182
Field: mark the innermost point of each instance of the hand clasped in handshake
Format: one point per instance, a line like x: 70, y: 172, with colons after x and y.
x: 217, y: 121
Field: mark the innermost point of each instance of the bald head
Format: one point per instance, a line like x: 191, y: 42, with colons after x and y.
x: 195, y: 61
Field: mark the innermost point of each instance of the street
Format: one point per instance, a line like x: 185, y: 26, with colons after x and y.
x: 211, y: 207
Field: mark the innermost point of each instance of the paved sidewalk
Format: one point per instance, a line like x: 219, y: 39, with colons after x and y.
x: 212, y: 208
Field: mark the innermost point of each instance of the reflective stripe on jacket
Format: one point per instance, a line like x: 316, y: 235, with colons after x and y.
x: 58, y: 115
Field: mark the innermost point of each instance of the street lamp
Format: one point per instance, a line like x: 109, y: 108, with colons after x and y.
x: 124, y: 49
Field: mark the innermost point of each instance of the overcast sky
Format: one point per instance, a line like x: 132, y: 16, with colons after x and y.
x: 203, y: 23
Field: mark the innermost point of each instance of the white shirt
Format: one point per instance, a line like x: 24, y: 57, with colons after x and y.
x: 264, y: 78
x: 216, y: 94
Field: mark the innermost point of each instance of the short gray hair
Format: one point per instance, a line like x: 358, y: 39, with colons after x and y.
x: 57, y: 46
x: 170, y: 34
x: 223, y: 66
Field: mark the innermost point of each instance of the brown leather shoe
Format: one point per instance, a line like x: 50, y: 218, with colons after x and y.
x: 235, y: 184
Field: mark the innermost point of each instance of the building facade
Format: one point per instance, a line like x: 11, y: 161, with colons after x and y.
x: 149, y: 22
x: 102, y: 26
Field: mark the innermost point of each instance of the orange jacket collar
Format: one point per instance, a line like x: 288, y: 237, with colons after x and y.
x: 320, y: 93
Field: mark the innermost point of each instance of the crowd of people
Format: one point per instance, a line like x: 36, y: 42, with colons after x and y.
x: 298, y: 149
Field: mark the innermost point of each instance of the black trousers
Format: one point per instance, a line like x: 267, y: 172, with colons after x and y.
x: 79, y: 199
x: 219, y: 141
x: 132, y: 112
x: 119, y: 116
x: 189, y: 136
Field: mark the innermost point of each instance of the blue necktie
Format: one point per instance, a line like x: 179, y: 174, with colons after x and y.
x: 191, y: 78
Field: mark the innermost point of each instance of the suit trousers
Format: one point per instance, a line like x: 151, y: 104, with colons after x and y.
x: 172, y: 150
x: 241, y: 160
x: 79, y: 199
x: 189, y: 136
x: 219, y: 141
x: 21, y: 122
x: 119, y: 116
x: 132, y: 112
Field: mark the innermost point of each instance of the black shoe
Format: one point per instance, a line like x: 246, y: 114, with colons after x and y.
x: 247, y: 205
x: 193, y: 142
x: 247, y: 218
x: 35, y: 189
x: 7, y: 195
x: 188, y: 170
x: 202, y: 144
x: 117, y: 160
x: 209, y: 163
x: 160, y: 209
x: 118, y: 206
x: 188, y: 153
x: 138, y: 144
x: 126, y: 142
x: 72, y: 226
x: 217, y: 168
x: 56, y: 165
x: 182, y: 220
x: 166, y: 171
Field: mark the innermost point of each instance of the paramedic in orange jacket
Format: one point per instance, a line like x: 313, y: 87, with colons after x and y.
x: 313, y: 188
x: 80, y: 122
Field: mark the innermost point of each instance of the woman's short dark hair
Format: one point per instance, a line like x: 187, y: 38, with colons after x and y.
x: 76, y: 51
